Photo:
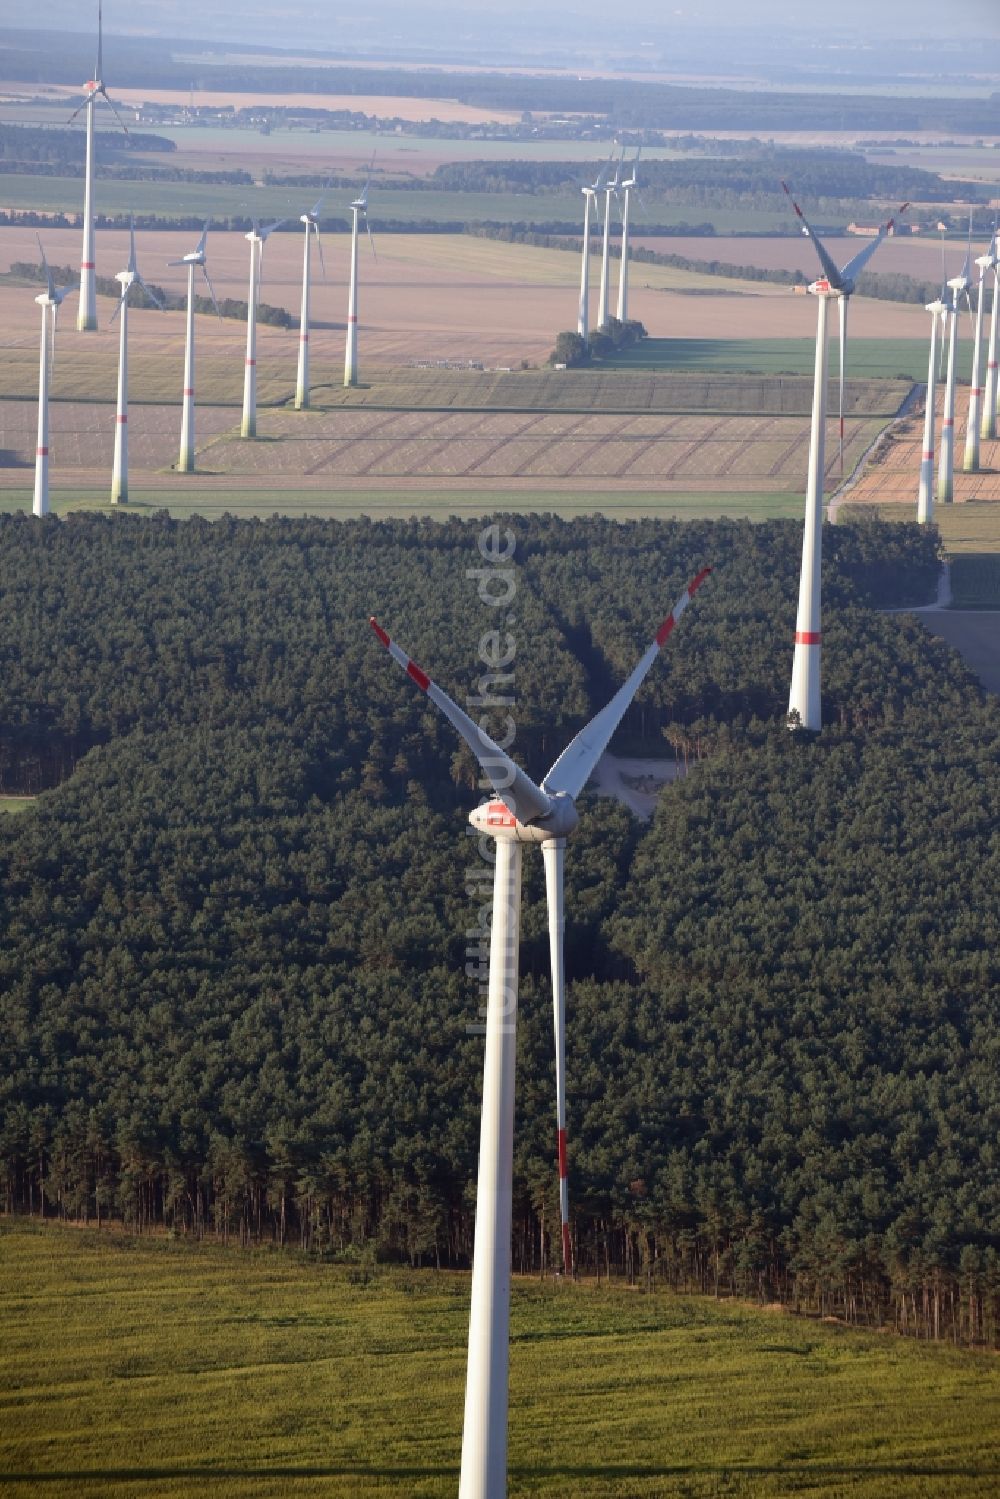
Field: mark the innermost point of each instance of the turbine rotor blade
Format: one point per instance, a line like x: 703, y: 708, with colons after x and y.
x: 104, y: 95
x: 554, y: 856
x: 78, y: 110
x: 843, y: 363
x: 151, y: 295
x: 572, y: 770
x: 826, y: 260
x: 370, y: 240
x: 508, y: 780
x: 319, y: 246
x: 211, y: 289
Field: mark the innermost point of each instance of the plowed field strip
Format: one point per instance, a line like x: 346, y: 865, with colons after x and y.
x: 377, y: 427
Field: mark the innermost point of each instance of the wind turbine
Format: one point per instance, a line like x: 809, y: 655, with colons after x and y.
x: 627, y: 186
x: 610, y: 191
x: 989, y: 428
x: 843, y: 283
x: 49, y: 301
x: 359, y: 208
x: 128, y: 277
x: 590, y: 201
x: 925, y: 498
x: 959, y: 286
x: 520, y: 812
x: 804, y: 697
x: 970, y: 463
x: 258, y: 238
x: 86, y: 318
x: 311, y: 221
x: 193, y: 260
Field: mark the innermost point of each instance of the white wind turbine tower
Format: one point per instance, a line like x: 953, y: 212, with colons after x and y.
x: 520, y: 812
x: 989, y: 427
x: 359, y: 209
x: 49, y: 301
x: 86, y: 318
x: 925, y: 497
x: 311, y: 221
x: 627, y: 186
x: 590, y: 201
x: 258, y: 238
x: 973, y: 417
x: 985, y: 418
x: 128, y: 277
x: 604, y: 304
x: 959, y: 286
x: 194, y: 260
x: 804, y: 697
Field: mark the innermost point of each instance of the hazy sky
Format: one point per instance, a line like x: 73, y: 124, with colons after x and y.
x: 291, y: 23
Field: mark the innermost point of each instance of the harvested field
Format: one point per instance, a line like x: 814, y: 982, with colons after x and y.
x: 689, y: 452
x: 371, y: 104
x: 893, y: 474
x: 441, y: 297
x: 913, y: 255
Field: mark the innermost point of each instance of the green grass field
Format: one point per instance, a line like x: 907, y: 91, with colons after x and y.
x: 870, y: 358
x: 13, y: 805
x: 182, y: 500
x: 975, y: 581
x: 152, y: 1368
x: 973, y: 527
x: 210, y: 200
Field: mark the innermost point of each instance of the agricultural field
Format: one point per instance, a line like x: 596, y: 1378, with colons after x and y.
x: 12, y: 806
x: 892, y: 477
x: 458, y: 298
x: 917, y: 255
x: 146, y: 1367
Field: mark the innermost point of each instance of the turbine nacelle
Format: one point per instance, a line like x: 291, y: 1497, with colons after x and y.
x: 497, y: 820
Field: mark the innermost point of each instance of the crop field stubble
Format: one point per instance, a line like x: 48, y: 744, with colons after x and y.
x: 223, y: 1372
x: 447, y: 297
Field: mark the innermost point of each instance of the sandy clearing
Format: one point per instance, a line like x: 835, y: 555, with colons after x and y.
x: 635, y: 783
x: 389, y: 105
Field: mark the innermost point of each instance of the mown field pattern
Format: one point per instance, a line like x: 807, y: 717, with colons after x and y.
x: 149, y: 1368
x: 688, y: 451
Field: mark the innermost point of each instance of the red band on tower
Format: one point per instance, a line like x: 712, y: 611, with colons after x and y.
x: 807, y: 637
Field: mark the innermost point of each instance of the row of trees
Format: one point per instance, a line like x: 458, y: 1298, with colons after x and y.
x: 233, y: 966
x: 107, y: 286
x: 604, y: 342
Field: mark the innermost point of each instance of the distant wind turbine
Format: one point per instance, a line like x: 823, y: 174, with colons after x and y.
x: 258, y: 238
x: 604, y: 304
x: 804, y: 700
x: 970, y: 462
x: 925, y: 497
x: 311, y: 220
x: 193, y: 261
x: 630, y: 185
x: 519, y: 813
x: 590, y: 201
x: 128, y: 277
x: 359, y: 209
x: 86, y: 318
x: 959, y: 286
x: 989, y: 427
x: 49, y: 301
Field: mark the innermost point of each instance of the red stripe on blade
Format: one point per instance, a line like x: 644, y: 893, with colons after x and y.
x: 697, y: 581
x: 379, y: 631
x: 807, y: 637
x: 663, y: 633
x: 421, y: 678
